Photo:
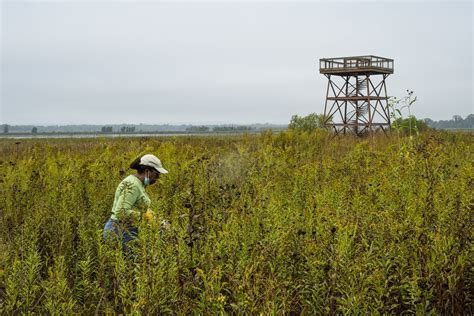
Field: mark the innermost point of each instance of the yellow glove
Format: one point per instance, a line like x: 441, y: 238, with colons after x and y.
x: 149, y: 215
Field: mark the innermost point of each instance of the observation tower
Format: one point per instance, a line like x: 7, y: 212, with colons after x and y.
x: 356, y: 97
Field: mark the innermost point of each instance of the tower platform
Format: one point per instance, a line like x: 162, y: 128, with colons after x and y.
x: 356, y: 65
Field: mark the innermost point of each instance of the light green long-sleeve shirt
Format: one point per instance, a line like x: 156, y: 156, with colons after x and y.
x: 130, y: 201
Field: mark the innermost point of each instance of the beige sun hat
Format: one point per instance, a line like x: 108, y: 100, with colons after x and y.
x: 152, y: 161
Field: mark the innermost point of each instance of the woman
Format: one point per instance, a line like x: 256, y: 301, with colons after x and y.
x: 131, y: 200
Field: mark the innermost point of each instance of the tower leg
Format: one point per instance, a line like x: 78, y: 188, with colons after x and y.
x: 356, y: 106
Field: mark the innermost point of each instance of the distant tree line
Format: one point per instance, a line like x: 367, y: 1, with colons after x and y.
x: 304, y: 123
x: 139, y: 128
x: 240, y: 128
x: 231, y: 128
x: 106, y: 129
x: 456, y: 122
x: 127, y: 129
x: 195, y: 129
x: 123, y: 129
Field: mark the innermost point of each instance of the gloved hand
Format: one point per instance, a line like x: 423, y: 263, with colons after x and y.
x: 149, y: 215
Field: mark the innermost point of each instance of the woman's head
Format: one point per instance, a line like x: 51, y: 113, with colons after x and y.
x: 149, y: 168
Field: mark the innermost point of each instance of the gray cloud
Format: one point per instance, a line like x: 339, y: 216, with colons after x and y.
x: 150, y: 62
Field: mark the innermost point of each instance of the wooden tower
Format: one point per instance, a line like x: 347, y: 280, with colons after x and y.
x: 356, y: 97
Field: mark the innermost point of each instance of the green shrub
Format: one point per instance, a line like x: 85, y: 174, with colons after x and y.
x: 307, y: 123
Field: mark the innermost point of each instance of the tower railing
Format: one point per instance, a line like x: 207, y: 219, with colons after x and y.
x: 356, y: 63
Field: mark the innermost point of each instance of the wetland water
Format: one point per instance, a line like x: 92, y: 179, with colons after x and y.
x: 98, y: 135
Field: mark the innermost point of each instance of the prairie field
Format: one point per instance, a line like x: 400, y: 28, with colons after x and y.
x: 287, y: 223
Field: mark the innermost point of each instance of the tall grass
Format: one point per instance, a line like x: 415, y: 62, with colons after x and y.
x: 287, y: 223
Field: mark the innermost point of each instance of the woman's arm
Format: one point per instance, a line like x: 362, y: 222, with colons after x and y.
x: 129, y: 194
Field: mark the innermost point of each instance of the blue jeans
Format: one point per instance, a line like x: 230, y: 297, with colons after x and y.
x: 124, y: 234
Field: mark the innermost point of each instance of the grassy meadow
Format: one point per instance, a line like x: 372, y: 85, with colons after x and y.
x: 299, y: 223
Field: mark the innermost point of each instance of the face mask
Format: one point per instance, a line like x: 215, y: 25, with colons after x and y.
x: 147, y: 180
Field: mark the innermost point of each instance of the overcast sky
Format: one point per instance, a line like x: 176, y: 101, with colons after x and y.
x: 66, y: 62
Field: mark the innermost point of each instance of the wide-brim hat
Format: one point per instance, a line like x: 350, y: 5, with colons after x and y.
x: 152, y: 161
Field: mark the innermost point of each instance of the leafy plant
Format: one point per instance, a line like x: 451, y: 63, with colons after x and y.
x: 395, y: 108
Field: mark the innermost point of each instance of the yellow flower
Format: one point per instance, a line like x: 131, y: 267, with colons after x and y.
x: 221, y: 299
